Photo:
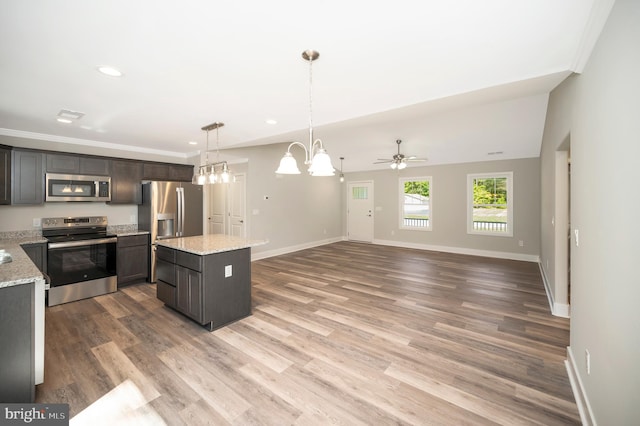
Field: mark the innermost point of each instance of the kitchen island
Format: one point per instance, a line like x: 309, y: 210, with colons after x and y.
x: 207, y: 277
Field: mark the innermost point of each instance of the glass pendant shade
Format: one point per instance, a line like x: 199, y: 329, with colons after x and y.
x: 202, y: 178
x: 321, y: 164
x: 212, y: 177
x: 288, y: 165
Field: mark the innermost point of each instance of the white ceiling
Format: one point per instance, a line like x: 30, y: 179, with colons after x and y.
x: 454, y: 79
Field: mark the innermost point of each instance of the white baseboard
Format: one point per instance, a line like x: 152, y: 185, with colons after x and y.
x: 291, y: 249
x: 557, y: 309
x: 445, y: 249
x: 584, y: 408
x: 462, y: 250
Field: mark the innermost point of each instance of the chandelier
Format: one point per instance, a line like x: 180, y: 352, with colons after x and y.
x: 217, y: 172
x: 315, y: 156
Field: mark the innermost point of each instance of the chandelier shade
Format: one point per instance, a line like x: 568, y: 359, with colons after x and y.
x: 315, y: 155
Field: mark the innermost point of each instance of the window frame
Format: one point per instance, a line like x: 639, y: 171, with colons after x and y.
x: 470, y: 203
x: 401, y: 194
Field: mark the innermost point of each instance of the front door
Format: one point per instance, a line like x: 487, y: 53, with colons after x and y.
x: 360, y: 211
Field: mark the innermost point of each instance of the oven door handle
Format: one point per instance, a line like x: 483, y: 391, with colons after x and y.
x: 83, y: 243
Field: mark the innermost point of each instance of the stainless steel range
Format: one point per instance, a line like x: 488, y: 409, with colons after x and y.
x: 81, y: 258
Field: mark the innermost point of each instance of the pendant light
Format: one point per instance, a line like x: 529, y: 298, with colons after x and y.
x: 217, y: 172
x: 341, y: 173
x: 315, y: 156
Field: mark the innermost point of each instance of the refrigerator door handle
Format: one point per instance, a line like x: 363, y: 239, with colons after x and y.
x: 179, y: 214
x: 180, y: 211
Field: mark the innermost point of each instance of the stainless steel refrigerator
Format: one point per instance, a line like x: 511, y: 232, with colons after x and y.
x: 169, y: 210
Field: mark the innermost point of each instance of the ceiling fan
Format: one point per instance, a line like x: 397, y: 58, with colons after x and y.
x: 399, y: 161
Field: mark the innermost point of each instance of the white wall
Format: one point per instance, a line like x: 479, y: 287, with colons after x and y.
x: 449, y: 209
x: 599, y: 109
x: 292, y: 211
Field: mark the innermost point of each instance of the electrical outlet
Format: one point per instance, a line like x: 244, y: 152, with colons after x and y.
x: 36, y: 222
x: 228, y: 271
x: 521, y: 243
x: 576, y: 233
x: 587, y: 361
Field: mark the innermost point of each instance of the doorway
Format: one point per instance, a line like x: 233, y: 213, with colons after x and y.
x: 227, y: 207
x: 360, y: 211
x: 562, y: 237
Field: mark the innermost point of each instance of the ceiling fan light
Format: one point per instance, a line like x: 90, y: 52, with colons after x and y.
x: 321, y: 164
x: 402, y: 165
x: 393, y: 165
x: 288, y: 165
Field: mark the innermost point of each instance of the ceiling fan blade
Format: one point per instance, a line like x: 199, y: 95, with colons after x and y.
x: 417, y: 159
x: 383, y: 161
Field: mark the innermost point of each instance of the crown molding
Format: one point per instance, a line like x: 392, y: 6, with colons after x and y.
x: 597, y: 19
x: 92, y: 143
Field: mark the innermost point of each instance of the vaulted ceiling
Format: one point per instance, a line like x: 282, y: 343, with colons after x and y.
x: 454, y: 79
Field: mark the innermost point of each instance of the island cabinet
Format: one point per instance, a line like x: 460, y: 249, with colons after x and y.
x: 212, y: 289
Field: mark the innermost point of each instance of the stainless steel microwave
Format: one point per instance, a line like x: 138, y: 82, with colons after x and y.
x: 61, y: 187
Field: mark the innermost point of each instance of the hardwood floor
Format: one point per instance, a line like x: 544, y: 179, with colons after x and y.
x: 345, y: 333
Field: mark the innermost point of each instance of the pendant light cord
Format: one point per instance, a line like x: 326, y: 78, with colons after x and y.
x: 311, y: 102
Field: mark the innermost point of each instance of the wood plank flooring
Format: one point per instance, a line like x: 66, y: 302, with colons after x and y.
x: 345, y: 333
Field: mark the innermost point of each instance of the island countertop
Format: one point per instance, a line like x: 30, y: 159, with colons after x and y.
x: 208, y: 244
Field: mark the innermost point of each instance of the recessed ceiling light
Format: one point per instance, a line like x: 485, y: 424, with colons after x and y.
x: 63, y: 120
x: 495, y: 152
x: 193, y: 143
x: 270, y: 121
x: 110, y: 71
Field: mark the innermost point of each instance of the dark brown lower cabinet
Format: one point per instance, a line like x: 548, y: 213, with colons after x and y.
x: 132, y: 259
x: 17, y: 343
x: 213, y: 290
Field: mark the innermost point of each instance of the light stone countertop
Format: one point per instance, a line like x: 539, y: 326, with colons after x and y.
x: 208, y: 244
x: 21, y: 270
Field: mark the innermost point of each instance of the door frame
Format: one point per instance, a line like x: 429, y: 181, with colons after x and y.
x: 348, y: 206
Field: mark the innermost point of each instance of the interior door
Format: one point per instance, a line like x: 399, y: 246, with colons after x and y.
x: 360, y: 211
x: 237, y: 219
x: 217, y: 208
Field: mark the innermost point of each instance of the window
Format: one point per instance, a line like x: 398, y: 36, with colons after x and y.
x: 490, y: 204
x: 415, y: 203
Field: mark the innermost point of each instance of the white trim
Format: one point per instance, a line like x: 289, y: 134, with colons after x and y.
x: 462, y: 250
x: 291, y: 249
x: 401, y: 198
x: 510, y: 203
x: 557, y: 309
x: 584, y: 407
x: 92, y: 143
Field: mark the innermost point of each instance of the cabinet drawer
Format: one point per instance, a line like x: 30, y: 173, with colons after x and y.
x: 189, y: 260
x: 166, y: 293
x: 166, y: 272
x: 166, y: 254
x: 133, y: 240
